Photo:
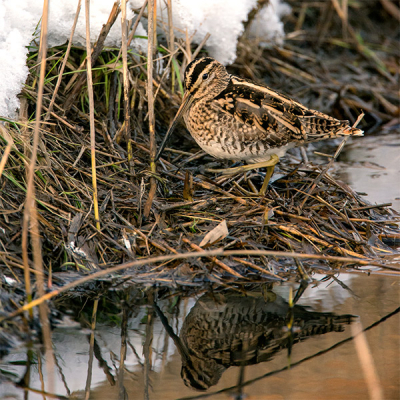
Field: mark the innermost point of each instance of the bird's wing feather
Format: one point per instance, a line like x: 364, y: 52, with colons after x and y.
x: 277, y: 118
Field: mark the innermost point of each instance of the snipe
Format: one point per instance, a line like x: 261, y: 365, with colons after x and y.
x: 238, y: 119
x: 228, y: 328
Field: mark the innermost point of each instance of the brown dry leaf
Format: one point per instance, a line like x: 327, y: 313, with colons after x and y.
x: 218, y: 233
x: 188, y: 187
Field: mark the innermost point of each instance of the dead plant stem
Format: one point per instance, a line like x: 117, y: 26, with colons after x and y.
x: 30, y: 212
x: 124, y: 26
x: 91, y: 350
x: 150, y: 98
x: 64, y: 63
x: 171, y: 43
x: 7, y: 150
x: 183, y: 256
x: 91, y: 113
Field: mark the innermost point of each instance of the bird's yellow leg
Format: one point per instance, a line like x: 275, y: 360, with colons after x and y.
x: 270, y: 171
x: 244, y: 168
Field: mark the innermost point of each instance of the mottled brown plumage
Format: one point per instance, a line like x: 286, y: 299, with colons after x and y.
x: 237, y: 119
x: 224, y: 330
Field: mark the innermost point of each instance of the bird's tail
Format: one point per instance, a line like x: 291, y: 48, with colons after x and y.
x: 322, y: 126
x: 348, y: 130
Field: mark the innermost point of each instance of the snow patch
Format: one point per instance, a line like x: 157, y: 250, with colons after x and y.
x: 223, y: 19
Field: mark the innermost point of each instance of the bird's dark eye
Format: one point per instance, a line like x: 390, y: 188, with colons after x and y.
x: 205, y: 76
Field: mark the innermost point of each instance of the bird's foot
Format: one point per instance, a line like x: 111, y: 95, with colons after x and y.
x: 249, y: 167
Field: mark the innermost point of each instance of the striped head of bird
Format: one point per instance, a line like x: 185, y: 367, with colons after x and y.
x: 205, y: 78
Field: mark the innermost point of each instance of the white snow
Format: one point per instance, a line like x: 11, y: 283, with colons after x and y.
x: 223, y: 19
x: 267, y: 25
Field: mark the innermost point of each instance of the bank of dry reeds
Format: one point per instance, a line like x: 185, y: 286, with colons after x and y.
x: 151, y: 218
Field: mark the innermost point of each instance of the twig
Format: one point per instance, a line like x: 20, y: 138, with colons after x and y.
x: 201, y: 45
x: 30, y: 212
x: 7, y: 150
x: 367, y: 362
x: 64, y: 63
x: 391, y: 8
x: 171, y: 43
x: 333, y: 159
x: 91, y: 113
x: 258, y: 268
x: 183, y: 256
x: 91, y: 350
x: 213, y: 259
x: 133, y: 31
x: 150, y: 98
x: 372, y: 206
x: 97, y: 48
x: 125, y: 74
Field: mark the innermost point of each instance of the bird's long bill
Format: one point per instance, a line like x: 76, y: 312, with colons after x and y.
x: 186, y: 102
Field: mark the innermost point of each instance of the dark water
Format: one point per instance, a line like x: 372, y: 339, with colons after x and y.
x: 372, y: 165
x: 229, y: 342
x: 236, y: 345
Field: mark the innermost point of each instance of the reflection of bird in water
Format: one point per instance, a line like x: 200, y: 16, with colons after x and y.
x: 224, y: 330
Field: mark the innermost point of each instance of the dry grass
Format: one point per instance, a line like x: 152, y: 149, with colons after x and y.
x: 325, y: 63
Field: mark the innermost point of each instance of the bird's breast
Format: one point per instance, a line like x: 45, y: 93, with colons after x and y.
x: 213, y: 132
x: 222, y: 135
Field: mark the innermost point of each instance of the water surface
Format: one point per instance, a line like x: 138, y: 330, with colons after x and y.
x: 230, y: 342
